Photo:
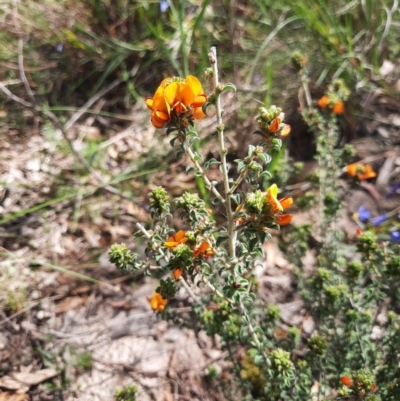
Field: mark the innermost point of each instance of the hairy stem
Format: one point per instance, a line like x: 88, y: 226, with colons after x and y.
x: 221, y: 141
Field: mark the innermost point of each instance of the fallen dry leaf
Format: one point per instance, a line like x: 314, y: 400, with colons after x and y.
x: 13, y: 397
x: 34, y: 378
x: 10, y: 384
x: 68, y: 304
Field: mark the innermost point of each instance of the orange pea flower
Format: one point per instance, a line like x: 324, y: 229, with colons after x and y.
x: 277, y: 206
x: 274, y: 126
x: 204, y: 250
x: 178, y: 95
x: 362, y: 172
x: 157, y: 302
x: 346, y: 381
x: 175, y: 240
x: 338, y: 108
x: 323, y: 102
x: 177, y: 273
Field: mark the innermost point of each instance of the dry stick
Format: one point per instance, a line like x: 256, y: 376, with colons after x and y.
x: 77, y: 115
x: 22, y: 71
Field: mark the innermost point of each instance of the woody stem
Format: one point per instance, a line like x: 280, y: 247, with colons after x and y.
x: 223, y: 151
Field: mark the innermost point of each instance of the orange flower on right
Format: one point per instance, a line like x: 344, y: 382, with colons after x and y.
x: 277, y: 206
x: 361, y: 171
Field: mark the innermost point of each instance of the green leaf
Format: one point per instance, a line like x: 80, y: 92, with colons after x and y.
x: 251, y: 150
x: 210, y: 162
x: 266, y: 158
x: 220, y: 240
x: 228, y: 87
x: 266, y: 174
x: 252, y: 243
x: 206, y: 105
x: 235, y: 198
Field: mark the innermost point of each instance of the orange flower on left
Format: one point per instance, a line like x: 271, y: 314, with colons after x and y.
x: 176, y: 98
x: 157, y: 302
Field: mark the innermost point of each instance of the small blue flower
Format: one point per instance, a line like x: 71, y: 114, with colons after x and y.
x: 393, y: 189
x: 363, y: 214
x: 59, y: 47
x: 164, y: 6
x: 379, y: 220
x: 395, y: 236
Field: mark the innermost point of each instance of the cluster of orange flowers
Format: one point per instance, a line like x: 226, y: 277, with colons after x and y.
x: 177, y: 98
x: 204, y: 250
x: 348, y: 381
x: 278, y: 206
x: 337, y: 106
x: 361, y: 171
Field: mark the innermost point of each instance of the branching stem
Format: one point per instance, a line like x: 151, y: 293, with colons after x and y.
x: 208, y: 183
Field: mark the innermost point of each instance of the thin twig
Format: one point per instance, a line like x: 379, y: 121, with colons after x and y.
x: 22, y: 70
x: 77, y: 115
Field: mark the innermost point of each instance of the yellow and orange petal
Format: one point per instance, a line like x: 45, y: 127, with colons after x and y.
x: 368, y: 173
x: 284, y: 219
x: 338, y: 108
x: 285, y: 131
x: 272, y: 198
x: 195, y: 85
x: 346, y: 381
x: 159, y: 119
x: 323, y: 102
x: 352, y: 169
x: 157, y: 302
x: 175, y: 240
x: 177, y: 273
x: 204, y: 250
x: 286, y: 202
x: 178, y: 95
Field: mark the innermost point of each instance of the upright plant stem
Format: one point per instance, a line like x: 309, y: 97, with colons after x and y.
x: 221, y: 141
x: 232, y: 234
